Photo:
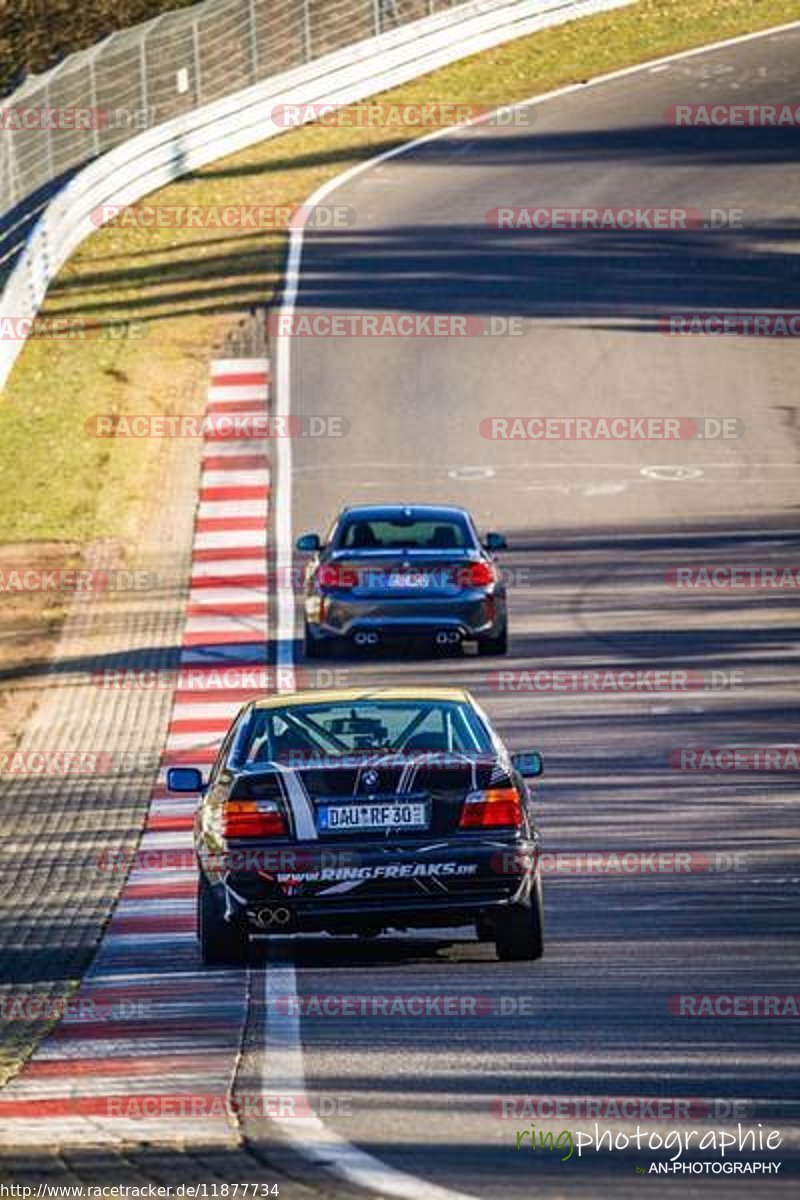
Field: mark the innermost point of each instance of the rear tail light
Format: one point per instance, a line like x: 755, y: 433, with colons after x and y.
x: 477, y: 574
x: 254, y: 819
x: 330, y: 575
x: 492, y: 809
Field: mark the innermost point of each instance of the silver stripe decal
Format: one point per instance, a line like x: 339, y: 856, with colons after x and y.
x: 305, y: 827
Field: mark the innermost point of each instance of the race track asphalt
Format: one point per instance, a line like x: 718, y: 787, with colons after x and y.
x: 594, y: 529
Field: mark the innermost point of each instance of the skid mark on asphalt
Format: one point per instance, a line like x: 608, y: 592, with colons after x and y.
x: 149, y: 1046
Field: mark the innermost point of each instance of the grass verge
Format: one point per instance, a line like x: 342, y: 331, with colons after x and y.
x: 184, y: 287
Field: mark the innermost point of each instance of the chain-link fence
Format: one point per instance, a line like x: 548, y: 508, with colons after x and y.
x: 158, y: 70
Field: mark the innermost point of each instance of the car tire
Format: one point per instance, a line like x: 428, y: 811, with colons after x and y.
x: 495, y: 645
x: 221, y: 943
x: 484, y: 929
x: 316, y: 647
x: 519, y: 929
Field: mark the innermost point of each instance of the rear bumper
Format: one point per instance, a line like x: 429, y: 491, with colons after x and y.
x: 369, y: 887
x: 481, y: 614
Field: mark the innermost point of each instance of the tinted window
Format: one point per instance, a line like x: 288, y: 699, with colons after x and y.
x: 385, y: 534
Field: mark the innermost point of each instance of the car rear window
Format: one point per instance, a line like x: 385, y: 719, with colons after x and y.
x: 404, y: 534
x: 343, y: 729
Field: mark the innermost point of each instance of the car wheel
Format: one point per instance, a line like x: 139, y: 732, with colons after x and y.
x: 495, y: 645
x: 519, y: 930
x: 316, y: 647
x: 484, y: 929
x: 220, y: 942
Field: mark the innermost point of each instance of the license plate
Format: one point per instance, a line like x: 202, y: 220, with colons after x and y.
x: 375, y: 814
x: 408, y: 580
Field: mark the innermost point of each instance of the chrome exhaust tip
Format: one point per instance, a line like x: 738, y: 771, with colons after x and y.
x: 447, y: 637
x: 277, y: 917
x: 363, y: 638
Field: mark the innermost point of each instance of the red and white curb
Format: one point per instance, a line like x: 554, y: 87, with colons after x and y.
x: 149, y: 1046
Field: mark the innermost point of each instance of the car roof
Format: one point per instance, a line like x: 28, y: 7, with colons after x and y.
x: 376, y: 511
x: 318, y: 696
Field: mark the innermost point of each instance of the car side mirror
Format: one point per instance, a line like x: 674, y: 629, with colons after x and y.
x: 309, y: 543
x: 495, y: 541
x: 529, y: 763
x: 185, y: 779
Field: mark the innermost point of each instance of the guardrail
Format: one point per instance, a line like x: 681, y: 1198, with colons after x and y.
x: 202, y: 132
x: 150, y: 73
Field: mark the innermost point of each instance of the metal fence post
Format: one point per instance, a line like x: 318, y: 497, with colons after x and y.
x: 253, y: 41
x: 376, y: 17
x: 7, y: 153
x: 307, y: 29
x: 198, y: 82
x: 143, y: 72
x: 51, y: 165
x: 93, y: 106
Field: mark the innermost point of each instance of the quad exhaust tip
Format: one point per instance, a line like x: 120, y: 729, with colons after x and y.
x: 448, y: 637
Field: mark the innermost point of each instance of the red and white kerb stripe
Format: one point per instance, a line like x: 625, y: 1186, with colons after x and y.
x: 166, y: 1030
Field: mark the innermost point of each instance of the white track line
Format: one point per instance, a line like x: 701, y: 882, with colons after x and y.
x: 283, y: 1053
